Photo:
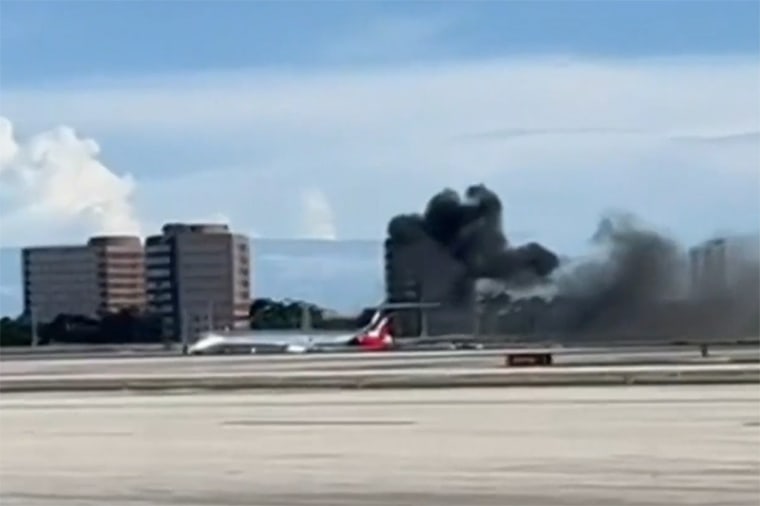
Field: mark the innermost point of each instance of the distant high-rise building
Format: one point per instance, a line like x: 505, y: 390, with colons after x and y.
x: 105, y: 275
x: 718, y: 265
x: 198, y: 278
x: 424, y: 272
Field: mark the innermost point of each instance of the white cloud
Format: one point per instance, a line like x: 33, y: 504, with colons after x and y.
x: 53, y: 186
x: 560, y: 138
x: 550, y: 94
x: 318, y: 220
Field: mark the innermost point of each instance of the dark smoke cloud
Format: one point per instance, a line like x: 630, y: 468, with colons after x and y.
x: 639, y: 287
x: 469, y: 230
x: 636, y: 286
x: 639, y: 269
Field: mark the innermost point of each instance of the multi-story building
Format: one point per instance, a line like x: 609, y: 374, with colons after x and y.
x: 105, y: 275
x: 720, y: 265
x: 198, y: 278
x: 424, y: 272
x: 120, y: 270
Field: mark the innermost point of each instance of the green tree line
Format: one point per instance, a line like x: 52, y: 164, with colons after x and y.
x: 134, y: 326
x: 123, y: 327
x: 288, y: 314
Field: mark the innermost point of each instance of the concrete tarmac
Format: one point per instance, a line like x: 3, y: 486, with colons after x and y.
x: 550, y: 447
x: 686, y: 374
x: 342, y: 361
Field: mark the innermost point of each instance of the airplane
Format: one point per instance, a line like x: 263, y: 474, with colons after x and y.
x: 375, y: 336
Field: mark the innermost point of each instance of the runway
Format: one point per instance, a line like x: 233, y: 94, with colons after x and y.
x: 157, y: 351
x: 560, y: 447
x: 366, y: 361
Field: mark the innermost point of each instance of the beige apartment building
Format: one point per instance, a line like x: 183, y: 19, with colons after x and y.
x: 198, y: 278
x: 105, y: 275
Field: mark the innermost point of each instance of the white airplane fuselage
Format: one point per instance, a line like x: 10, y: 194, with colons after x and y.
x: 375, y: 336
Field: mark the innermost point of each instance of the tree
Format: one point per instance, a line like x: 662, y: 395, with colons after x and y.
x: 14, y: 332
x: 130, y: 325
x: 69, y: 328
x: 266, y: 313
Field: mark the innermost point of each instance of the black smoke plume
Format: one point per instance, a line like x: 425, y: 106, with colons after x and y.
x: 469, y: 230
x: 640, y: 288
x: 637, y: 286
x: 639, y: 269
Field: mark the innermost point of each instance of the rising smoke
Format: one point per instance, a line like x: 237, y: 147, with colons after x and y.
x: 52, y: 186
x: 469, y: 229
x: 641, y: 287
x: 638, y: 269
x: 636, y: 284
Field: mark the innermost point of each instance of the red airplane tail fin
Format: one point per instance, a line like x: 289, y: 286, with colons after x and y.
x: 377, y: 336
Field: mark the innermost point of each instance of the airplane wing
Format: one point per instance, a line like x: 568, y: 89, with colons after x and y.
x: 327, y: 340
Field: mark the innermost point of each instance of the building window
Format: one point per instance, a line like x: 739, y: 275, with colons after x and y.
x: 157, y: 249
x: 158, y: 273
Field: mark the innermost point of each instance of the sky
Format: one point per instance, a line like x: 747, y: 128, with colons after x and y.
x: 324, y: 119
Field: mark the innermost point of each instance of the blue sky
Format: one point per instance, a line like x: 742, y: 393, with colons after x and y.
x: 322, y: 119
x: 127, y: 37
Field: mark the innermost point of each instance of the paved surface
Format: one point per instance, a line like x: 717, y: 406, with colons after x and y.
x: 380, y: 370
x: 316, y: 362
x: 680, y: 374
x: 100, y: 352
x: 611, y: 446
